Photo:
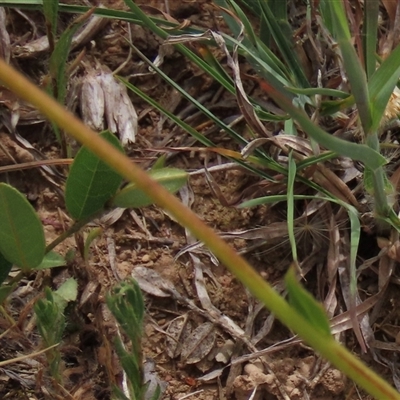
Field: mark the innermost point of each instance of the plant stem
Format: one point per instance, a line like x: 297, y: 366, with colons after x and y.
x: 382, y: 207
x: 73, y: 229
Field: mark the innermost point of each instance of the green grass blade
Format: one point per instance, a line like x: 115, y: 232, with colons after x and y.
x: 267, y: 162
x: 306, y: 305
x: 382, y: 84
x: 197, y: 135
x: 319, y: 91
x: 307, y: 162
x: 352, y: 64
x: 242, y: 17
x: 368, y: 156
x: 50, y: 11
x: 290, y: 204
x: 370, y: 30
x: 355, y: 232
x: 281, y: 31
x: 58, y: 59
x: 91, y: 182
x: 271, y: 163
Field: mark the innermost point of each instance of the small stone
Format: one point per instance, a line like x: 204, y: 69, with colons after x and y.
x: 146, y: 258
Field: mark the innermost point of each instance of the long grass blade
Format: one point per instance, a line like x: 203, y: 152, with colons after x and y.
x: 370, y: 29
x: 361, y: 152
x: 281, y: 31
x: 354, y: 69
x: 290, y: 205
x: 382, y: 84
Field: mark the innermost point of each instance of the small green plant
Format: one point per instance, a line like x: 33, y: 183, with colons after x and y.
x: 125, y: 301
x: 51, y: 322
x: 91, y: 187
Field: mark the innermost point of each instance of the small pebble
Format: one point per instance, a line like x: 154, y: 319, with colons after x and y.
x: 146, y: 258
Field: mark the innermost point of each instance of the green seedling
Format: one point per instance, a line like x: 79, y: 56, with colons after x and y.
x: 50, y: 321
x: 125, y: 301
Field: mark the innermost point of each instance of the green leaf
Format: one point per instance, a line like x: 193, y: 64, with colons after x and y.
x: 50, y: 318
x: 353, y: 66
x: 131, y: 196
x: 93, y: 234
x: 160, y: 162
x: 59, y: 58
x: 290, y: 204
x: 361, y: 152
x: 21, y: 233
x: 91, y: 182
x: 382, y: 84
x: 5, y: 268
x: 67, y: 292
x: 5, y: 290
x: 306, y: 305
x: 50, y: 10
x: 282, y: 33
x: 319, y: 91
x: 52, y: 260
x: 370, y: 30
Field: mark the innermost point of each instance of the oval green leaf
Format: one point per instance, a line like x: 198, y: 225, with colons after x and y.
x: 5, y: 268
x: 131, y: 196
x: 91, y: 182
x: 21, y: 233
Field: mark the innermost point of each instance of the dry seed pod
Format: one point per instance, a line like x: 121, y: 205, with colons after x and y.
x: 105, y: 98
x: 198, y: 344
x: 92, y: 102
x: 120, y: 114
x: 178, y: 331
